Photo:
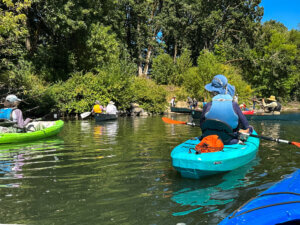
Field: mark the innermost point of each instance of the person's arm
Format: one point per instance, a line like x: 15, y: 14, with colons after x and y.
x: 206, y: 108
x: 242, y: 118
x: 19, y: 118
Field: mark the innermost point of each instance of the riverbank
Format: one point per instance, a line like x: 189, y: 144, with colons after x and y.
x: 291, y: 106
x: 286, y: 107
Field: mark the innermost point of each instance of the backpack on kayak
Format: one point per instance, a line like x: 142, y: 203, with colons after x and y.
x: 278, y: 107
x: 210, y: 143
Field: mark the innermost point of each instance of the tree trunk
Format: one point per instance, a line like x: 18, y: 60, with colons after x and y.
x: 175, y: 52
x: 146, y: 68
x: 140, y: 69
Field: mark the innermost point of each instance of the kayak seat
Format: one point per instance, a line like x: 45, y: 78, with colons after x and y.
x: 217, y: 127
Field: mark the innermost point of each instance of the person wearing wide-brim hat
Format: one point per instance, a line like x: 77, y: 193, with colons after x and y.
x: 272, y: 106
x: 223, y: 108
x: 11, y: 112
x: 111, y: 108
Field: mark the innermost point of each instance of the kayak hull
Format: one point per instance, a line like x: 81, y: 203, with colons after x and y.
x: 180, y: 110
x: 53, y: 130
x: 249, y: 112
x: 278, y: 204
x: 99, y: 117
x: 192, y: 165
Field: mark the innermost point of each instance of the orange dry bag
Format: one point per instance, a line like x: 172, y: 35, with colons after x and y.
x: 210, y: 143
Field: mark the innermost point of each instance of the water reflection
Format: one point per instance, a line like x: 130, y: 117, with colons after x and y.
x: 15, y: 156
x: 107, y: 128
x: 213, y: 191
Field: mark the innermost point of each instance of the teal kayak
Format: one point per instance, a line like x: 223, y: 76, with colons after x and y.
x: 192, y: 165
x: 46, y: 129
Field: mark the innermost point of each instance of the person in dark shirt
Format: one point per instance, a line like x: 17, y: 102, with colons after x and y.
x: 223, y: 108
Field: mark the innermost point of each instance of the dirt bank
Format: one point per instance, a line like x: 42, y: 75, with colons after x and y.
x: 286, y: 107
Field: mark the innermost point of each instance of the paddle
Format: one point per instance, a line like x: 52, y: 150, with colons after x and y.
x: 167, y: 120
x: 85, y: 115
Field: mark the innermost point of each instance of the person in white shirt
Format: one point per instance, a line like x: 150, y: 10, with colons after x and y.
x: 111, y: 108
x: 172, y: 102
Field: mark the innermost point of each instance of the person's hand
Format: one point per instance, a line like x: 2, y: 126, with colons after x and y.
x: 244, y: 131
x: 243, y: 134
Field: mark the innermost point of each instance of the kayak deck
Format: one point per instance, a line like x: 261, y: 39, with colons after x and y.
x: 51, y: 128
x: 192, y: 165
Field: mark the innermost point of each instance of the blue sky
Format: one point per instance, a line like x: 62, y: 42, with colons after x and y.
x: 284, y: 11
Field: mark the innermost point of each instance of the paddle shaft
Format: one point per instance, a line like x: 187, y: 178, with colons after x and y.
x: 271, y: 139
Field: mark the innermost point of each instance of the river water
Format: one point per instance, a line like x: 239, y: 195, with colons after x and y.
x: 120, y: 172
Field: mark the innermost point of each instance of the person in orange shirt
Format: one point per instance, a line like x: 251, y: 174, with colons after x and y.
x: 97, y: 107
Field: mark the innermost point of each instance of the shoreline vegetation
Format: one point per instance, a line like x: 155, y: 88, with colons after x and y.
x: 293, y: 106
x: 141, y: 54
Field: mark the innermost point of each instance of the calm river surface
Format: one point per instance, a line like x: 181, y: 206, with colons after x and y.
x: 120, y: 172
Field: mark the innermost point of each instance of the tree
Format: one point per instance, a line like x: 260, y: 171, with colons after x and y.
x: 13, y: 33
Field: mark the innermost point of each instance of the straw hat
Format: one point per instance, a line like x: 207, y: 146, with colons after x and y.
x: 272, y: 98
x: 111, y: 102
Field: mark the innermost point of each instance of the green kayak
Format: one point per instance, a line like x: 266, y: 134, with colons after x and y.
x: 37, y: 130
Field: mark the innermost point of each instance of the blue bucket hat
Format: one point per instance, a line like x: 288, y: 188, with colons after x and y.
x: 220, y: 84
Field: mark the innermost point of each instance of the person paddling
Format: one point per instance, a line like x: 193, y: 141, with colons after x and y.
x: 97, y: 108
x: 223, y: 108
x: 12, y: 113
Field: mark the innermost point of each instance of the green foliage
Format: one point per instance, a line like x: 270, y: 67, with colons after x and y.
x: 149, y: 95
x: 71, y: 52
x: 13, y: 32
x: 197, y: 77
x: 116, y: 83
x: 273, y: 69
x: 209, y: 66
x: 163, y: 69
x: 102, y: 47
x: 79, y: 93
x: 183, y: 63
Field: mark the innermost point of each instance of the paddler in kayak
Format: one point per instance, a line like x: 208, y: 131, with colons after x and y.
x: 273, y: 105
x: 97, y: 108
x: 11, y: 112
x: 111, y: 108
x: 223, y: 108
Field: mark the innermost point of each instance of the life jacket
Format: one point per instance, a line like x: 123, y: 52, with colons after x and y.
x: 97, y: 109
x: 211, y: 143
x: 6, y: 113
x: 222, y: 109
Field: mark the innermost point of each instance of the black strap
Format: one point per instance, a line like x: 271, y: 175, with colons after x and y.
x: 265, y: 206
x: 217, y: 127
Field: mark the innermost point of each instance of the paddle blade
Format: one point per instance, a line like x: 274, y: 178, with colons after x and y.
x: 167, y: 120
x: 296, y: 144
x: 85, y: 114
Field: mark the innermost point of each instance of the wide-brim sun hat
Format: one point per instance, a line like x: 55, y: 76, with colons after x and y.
x: 220, y: 85
x: 272, y: 98
x: 111, y: 102
x: 12, y: 98
x: 97, y: 102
